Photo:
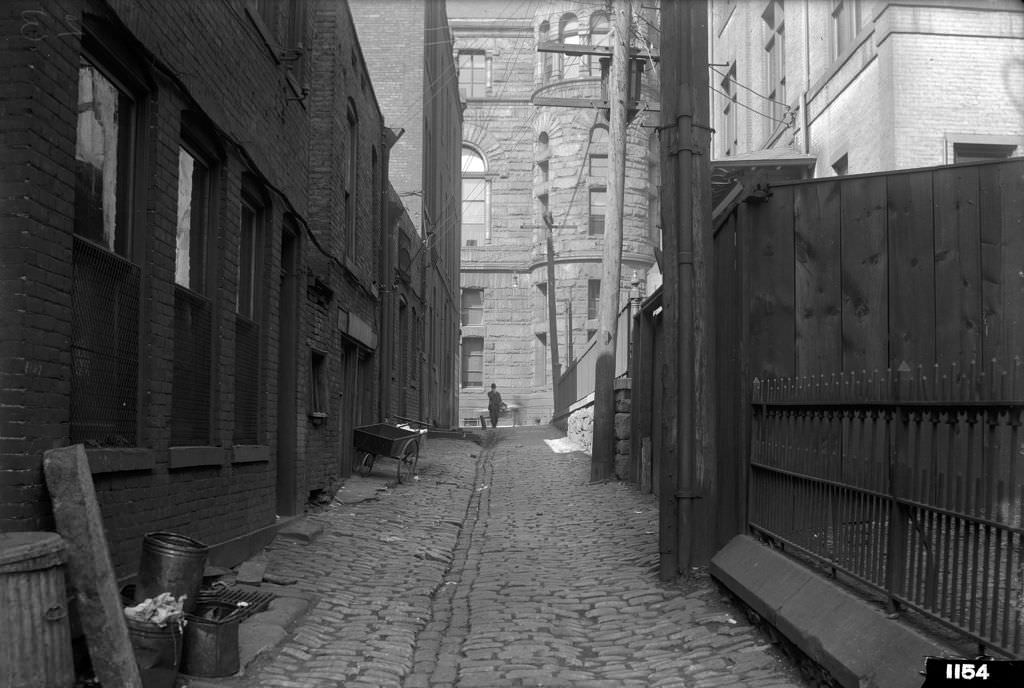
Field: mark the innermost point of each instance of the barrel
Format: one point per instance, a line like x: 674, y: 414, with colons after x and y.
x: 211, y: 640
x: 36, y: 648
x: 171, y: 563
x: 157, y: 652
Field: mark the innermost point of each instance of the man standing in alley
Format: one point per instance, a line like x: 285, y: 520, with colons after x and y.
x: 494, y: 404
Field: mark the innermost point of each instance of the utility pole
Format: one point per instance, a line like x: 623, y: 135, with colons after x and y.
x: 688, y: 471
x: 556, y: 367
x: 603, y: 451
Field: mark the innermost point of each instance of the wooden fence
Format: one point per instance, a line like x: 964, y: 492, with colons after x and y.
x: 578, y: 379
x: 824, y: 280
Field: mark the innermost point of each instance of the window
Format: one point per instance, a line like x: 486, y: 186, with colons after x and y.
x: 599, y: 153
x: 472, y: 306
x: 104, y: 159
x: 569, y: 32
x: 105, y: 282
x: 544, y: 171
x: 730, y: 114
x: 190, y: 238
x: 547, y: 60
x: 846, y: 22
x: 598, y: 199
x: 193, y: 312
x: 318, y: 404
x: 351, y: 180
x: 593, y: 299
x: 473, y: 362
x: 540, y: 360
x: 247, y: 328
x: 775, y: 47
x: 978, y: 152
x: 600, y: 35
x: 476, y: 194
x: 473, y: 73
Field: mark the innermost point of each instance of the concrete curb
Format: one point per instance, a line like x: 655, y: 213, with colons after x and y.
x: 856, y: 643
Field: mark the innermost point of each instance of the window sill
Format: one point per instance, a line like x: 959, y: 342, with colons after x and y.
x: 250, y: 453
x: 189, y: 457
x: 119, y: 460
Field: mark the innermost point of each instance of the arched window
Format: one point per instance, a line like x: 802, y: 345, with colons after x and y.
x: 569, y: 32
x: 476, y: 198
x: 547, y: 60
x: 542, y: 155
x: 600, y: 34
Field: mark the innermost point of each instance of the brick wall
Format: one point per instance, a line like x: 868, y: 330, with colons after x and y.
x: 251, y: 107
x: 39, y: 59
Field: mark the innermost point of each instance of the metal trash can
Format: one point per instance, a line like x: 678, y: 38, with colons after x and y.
x: 211, y: 640
x: 36, y: 649
x: 171, y: 563
x: 157, y: 652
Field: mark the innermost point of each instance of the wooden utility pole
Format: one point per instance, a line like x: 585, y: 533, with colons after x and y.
x: 603, y: 451
x: 556, y: 367
x: 688, y: 462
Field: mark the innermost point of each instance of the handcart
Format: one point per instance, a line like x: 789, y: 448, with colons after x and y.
x: 393, y: 441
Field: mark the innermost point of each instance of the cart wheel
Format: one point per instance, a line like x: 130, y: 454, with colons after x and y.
x: 407, y: 466
x: 365, y: 463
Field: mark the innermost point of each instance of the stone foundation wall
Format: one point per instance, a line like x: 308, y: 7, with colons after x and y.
x: 580, y: 429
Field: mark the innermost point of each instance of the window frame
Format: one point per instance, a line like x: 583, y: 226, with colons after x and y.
x: 474, y: 87
x: 351, y: 180
x: 480, y: 179
x: 468, y: 356
x: 775, y: 62
x: 468, y: 309
x: 596, y: 220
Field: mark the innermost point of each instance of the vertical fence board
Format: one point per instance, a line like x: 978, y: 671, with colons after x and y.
x: 911, y: 268
x: 865, y: 314
x: 818, y: 296
x: 732, y: 436
x: 992, y: 274
x: 958, y: 317
x: 1011, y: 184
x: 771, y: 285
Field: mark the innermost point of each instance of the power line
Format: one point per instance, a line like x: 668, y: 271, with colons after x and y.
x: 787, y: 121
x: 747, y: 88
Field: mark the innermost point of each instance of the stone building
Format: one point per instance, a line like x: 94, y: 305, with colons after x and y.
x: 520, y: 162
x: 194, y: 195
x: 408, y: 50
x: 868, y: 85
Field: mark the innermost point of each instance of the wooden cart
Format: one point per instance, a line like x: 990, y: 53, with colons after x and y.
x: 392, y: 441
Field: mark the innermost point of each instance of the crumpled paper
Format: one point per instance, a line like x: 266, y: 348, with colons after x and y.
x: 160, y: 610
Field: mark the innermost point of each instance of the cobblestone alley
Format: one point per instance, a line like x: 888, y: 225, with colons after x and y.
x: 501, y: 566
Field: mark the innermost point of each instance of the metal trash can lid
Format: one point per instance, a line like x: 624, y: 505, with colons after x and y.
x: 30, y: 551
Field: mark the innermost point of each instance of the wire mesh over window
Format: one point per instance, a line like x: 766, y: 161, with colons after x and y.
x: 104, y: 347
x: 247, y: 380
x: 190, y: 415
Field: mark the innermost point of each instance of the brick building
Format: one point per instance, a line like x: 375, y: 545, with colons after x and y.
x: 868, y: 85
x: 194, y: 204
x: 408, y: 49
x: 520, y: 161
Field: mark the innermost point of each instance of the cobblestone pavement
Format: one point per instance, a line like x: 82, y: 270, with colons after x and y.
x: 502, y: 566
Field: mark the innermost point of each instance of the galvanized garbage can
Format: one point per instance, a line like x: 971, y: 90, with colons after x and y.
x: 36, y: 649
x: 171, y: 563
x: 211, y: 640
x: 157, y: 652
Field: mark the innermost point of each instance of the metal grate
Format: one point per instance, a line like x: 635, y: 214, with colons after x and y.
x: 190, y: 418
x: 247, y: 376
x: 254, y: 600
x: 104, y: 347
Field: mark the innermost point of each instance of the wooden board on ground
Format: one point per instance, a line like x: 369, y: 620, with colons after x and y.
x: 89, y: 566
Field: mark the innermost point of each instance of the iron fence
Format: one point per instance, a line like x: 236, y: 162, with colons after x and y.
x: 104, y: 347
x: 193, y: 322
x: 911, y: 482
